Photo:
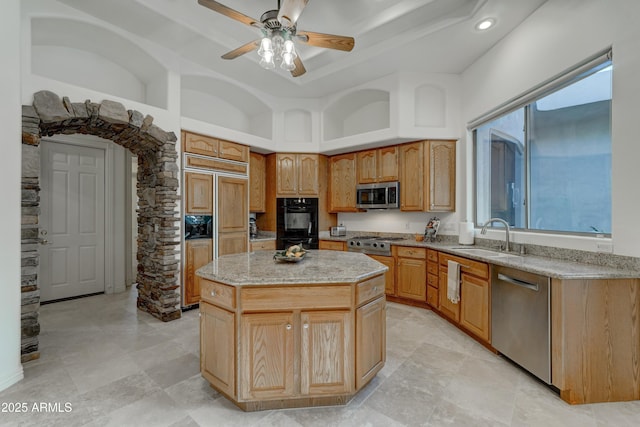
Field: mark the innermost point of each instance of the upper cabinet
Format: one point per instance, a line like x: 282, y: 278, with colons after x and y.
x: 257, y: 178
x: 297, y: 175
x: 428, y: 174
x: 342, y: 183
x: 213, y: 147
x: 199, y: 193
x: 379, y: 165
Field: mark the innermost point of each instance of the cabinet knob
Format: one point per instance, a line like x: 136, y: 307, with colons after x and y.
x: 306, y: 326
x: 213, y: 293
x: 375, y: 288
x: 288, y: 326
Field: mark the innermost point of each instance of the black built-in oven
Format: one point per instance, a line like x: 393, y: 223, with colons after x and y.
x: 198, y: 227
x: 297, y: 222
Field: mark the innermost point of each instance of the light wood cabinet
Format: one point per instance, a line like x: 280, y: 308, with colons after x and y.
x: 472, y: 312
x: 217, y: 347
x: 432, y: 279
x: 267, y: 355
x: 263, y: 245
x: 326, y: 363
x: 199, y: 193
x: 257, y: 180
x: 411, y: 270
x: 378, y: 165
x: 214, y: 147
x: 342, y: 183
x: 412, y: 177
x: 198, y: 252
x: 390, y: 275
x: 332, y: 245
x: 233, y: 221
x: 370, y: 340
x: 297, y: 175
x: 441, y: 157
x: 428, y: 174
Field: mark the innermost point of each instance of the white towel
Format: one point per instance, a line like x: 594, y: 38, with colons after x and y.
x: 453, y: 281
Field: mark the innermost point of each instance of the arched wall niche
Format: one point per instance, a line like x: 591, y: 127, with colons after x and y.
x: 90, y: 56
x: 430, y: 106
x: 157, y: 190
x: 358, y: 112
x: 298, y: 125
x: 224, y: 104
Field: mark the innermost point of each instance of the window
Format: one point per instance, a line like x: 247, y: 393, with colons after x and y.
x: 543, y: 161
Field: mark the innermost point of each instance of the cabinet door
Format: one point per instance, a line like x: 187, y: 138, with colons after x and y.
x: 367, y: 167
x: 371, y: 338
x: 198, y: 253
x: 257, y: 187
x: 308, y: 168
x: 217, y: 347
x: 474, y: 306
x: 449, y: 309
x: 326, y: 363
x: 267, y: 356
x: 199, y: 193
x: 388, y: 164
x: 442, y: 176
x: 390, y: 275
x: 233, y: 212
x: 412, y: 177
x: 286, y: 175
x: 342, y: 179
x: 233, y: 151
x: 331, y: 245
x: 200, y: 144
x: 232, y: 243
x: 412, y: 279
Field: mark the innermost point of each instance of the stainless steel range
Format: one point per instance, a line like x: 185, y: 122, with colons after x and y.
x: 374, y: 245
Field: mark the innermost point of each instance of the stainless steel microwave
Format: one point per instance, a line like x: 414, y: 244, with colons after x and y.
x: 383, y: 195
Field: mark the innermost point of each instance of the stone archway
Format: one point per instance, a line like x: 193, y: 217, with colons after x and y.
x: 158, y: 239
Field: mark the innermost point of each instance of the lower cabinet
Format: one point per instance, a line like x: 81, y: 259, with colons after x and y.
x: 371, y: 343
x: 332, y: 245
x: 390, y: 275
x: 217, y: 347
x: 472, y: 312
x: 411, y: 270
x: 199, y: 252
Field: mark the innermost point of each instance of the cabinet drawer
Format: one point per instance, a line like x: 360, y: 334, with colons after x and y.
x: 468, y: 266
x: 262, y: 245
x: 331, y: 245
x: 218, y: 294
x: 432, y: 255
x: 408, y: 252
x: 295, y: 297
x: 432, y: 280
x: 223, y: 165
x: 370, y: 289
x: 432, y: 296
x: 432, y: 267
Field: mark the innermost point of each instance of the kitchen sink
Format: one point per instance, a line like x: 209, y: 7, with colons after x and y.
x: 483, y: 252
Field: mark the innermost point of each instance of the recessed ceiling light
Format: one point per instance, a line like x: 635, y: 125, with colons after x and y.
x: 485, y: 24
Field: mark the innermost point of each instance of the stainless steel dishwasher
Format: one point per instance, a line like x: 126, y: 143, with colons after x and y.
x: 520, y: 319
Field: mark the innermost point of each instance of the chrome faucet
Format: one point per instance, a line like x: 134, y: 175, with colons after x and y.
x: 506, y: 224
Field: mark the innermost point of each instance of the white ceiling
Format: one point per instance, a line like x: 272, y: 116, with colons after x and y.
x: 436, y: 36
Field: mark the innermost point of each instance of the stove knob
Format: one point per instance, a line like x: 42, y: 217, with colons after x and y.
x: 351, y: 243
x: 358, y: 243
x: 375, y: 245
x: 381, y: 245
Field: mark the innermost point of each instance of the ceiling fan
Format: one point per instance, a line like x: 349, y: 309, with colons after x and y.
x: 278, y: 33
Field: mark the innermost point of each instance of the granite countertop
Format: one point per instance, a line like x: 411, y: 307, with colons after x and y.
x: 318, y: 267
x: 552, y: 267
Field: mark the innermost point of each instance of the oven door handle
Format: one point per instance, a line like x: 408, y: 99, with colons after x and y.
x: 310, y: 226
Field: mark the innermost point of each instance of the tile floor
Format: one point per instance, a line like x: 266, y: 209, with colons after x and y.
x: 117, y: 366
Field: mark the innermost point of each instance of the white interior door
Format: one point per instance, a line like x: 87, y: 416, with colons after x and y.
x: 72, y: 249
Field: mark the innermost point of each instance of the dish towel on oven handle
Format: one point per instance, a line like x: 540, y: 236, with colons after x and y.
x: 453, y: 281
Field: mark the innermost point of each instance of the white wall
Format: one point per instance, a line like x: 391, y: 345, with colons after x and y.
x: 557, y: 36
x: 10, y: 123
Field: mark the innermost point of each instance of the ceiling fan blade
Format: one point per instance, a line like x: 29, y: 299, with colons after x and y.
x: 299, y: 70
x: 329, y: 41
x: 242, y: 50
x: 290, y: 11
x: 231, y: 13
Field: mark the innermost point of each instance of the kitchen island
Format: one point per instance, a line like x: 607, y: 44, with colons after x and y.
x: 291, y: 334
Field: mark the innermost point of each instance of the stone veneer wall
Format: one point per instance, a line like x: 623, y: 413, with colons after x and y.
x: 158, y: 239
